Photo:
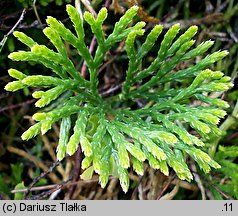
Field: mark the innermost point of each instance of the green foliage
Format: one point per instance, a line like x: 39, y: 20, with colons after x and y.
x: 19, y: 196
x: 27, y: 3
x: 229, y: 168
x: 16, y: 178
x: 112, y: 135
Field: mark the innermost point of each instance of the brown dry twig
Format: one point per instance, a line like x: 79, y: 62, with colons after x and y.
x: 12, y: 29
x: 45, y: 194
x: 198, y: 180
x: 36, y: 12
x: 171, y: 195
x: 213, y: 186
x: 65, y: 184
x: 142, y: 14
x: 51, y: 152
x: 14, y: 106
x: 171, y: 178
x: 35, y: 160
x: 213, y: 18
x: 76, y: 173
x: 117, y: 7
x: 111, y: 90
x: 186, y: 185
x: 42, y: 175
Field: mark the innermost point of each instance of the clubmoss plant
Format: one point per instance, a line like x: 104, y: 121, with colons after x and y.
x: 113, y: 136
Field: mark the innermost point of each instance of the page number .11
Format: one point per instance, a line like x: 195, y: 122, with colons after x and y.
x: 227, y: 207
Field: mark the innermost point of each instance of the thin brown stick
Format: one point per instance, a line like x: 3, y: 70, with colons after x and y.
x: 107, y: 3
x: 166, y: 186
x: 36, y: 12
x: 39, y: 188
x: 207, y: 20
x: 198, y: 180
x: 51, y: 152
x: 220, y: 191
x: 186, y: 185
x: 89, y: 7
x: 44, y: 194
x: 65, y: 184
x: 142, y: 13
x: 33, y: 159
x: 110, y: 90
x: 76, y: 172
x: 42, y: 175
x: 216, y: 188
x: 14, y: 106
x: 12, y: 29
x: 172, y: 194
x: 106, y: 64
x: 139, y: 182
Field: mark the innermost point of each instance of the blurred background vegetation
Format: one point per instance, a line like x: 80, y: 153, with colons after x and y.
x: 22, y: 162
